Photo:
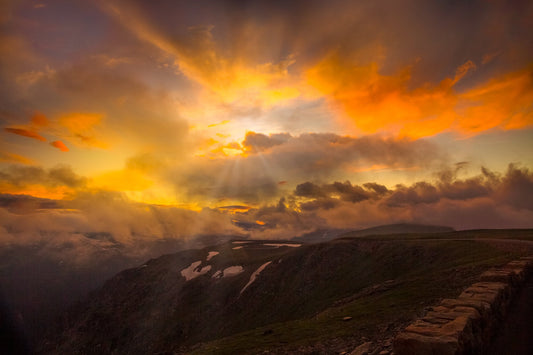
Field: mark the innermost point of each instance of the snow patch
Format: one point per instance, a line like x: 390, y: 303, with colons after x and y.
x: 228, y: 272
x: 242, y: 242
x: 233, y: 271
x: 211, y: 254
x: 237, y: 248
x: 193, y: 270
x: 277, y: 245
x: 254, y: 275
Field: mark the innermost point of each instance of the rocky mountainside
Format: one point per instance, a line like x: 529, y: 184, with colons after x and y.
x: 245, y: 295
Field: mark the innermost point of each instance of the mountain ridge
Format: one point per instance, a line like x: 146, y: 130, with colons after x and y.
x: 322, y: 235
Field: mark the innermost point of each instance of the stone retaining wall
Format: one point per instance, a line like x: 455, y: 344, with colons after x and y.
x: 465, y: 325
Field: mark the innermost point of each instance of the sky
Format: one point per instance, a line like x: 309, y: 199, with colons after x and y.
x: 170, y: 119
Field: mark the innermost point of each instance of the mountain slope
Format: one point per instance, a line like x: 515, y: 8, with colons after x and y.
x: 197, y: 296
x: 39, y: 281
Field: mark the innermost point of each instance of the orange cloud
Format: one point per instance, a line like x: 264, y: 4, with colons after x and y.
x: 374, y: 102
x: 78, y: 128
x: 377, y: 103
x: 234, y: 79
x: 25, y: 133
x: 504, y: 102
x: 39, y: 120
x: 59, y: 145
x: 14, y: 158
x: 81, y: 128
x: 77, y: 122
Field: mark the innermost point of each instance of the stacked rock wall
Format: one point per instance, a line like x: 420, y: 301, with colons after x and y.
x: 465, y: 325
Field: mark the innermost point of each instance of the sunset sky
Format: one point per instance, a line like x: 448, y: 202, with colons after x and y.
x: 268, y: 118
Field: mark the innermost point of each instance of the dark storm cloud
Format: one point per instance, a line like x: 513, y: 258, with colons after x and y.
x: 420, y: 192
x: 349, y: 192
x: 324, y: 203
x: 308, y: 189
x: 314, y: 157
x: 464, y: 189
x: 27, y: 204
x: 514, y: 189
x: 344, y: 190
x: 20, y: 176
x: 258, y: 142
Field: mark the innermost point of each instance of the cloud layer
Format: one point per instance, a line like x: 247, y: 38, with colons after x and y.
x: 451, y: 201
x: 294, y: 116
